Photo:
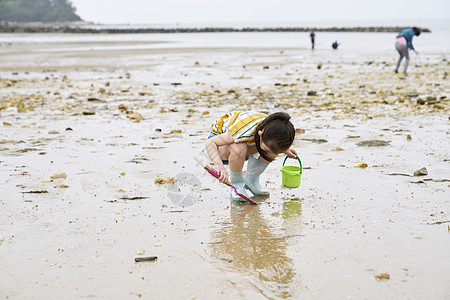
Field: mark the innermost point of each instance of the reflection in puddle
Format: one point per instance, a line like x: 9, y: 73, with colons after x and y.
x: 254, y: 246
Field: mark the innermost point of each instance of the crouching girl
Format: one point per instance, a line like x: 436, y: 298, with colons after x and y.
x: 237, y: 136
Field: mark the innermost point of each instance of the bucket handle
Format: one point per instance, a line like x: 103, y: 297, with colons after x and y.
x: 300, y: 162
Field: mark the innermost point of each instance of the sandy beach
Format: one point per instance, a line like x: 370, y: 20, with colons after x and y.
x: 115, y: 113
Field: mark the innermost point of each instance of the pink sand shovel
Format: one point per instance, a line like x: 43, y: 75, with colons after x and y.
x: 216, y: 174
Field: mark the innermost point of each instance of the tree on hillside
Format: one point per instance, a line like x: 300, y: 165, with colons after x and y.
x: 37, y: 11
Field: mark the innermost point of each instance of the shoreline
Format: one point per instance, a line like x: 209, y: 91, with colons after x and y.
x: 15, y: 27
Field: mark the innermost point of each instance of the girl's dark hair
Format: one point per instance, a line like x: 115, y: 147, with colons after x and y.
x: 417, y: 30
x: 278, y: 134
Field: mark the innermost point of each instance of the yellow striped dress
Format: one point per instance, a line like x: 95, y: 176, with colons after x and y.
x: 240, y: 124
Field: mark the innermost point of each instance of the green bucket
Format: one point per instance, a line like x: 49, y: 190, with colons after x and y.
x: 291, y: 174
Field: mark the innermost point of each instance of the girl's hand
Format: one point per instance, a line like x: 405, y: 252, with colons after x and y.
x: 417, y: 52
x: 224, y: 176
x: 291, y: 152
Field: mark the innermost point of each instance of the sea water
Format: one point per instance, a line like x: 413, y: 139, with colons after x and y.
x: 357, y: 43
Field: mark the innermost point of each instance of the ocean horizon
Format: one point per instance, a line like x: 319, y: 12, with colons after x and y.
x: 440, y: 24
x: 352, y: 43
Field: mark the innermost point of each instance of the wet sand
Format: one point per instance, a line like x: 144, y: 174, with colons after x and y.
x: 328, y: 239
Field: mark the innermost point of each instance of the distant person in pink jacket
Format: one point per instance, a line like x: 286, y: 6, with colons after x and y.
x: 403, y: 42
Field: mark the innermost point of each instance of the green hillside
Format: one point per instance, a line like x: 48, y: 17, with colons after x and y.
x: 37, y: 11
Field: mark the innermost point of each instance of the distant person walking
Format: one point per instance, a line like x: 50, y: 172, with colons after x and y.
x: 403, y: 42
x: 313, y: 39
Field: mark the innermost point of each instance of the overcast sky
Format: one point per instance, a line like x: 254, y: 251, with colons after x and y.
x: 257, y: 11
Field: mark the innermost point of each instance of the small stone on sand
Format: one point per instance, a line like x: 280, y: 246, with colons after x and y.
x: 421, y: 172
x: 59, y: 174
x: 360, y: 165
x: 165, y: 180
x: 383, y: 276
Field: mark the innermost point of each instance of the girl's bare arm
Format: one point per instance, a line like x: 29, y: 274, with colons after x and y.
x: 212, y: 148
